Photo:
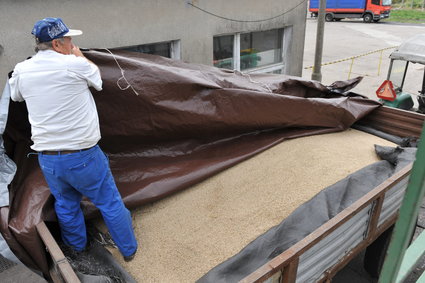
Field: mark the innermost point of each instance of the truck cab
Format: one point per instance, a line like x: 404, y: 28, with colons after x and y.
x: 369, y: 10
x: 393, y: 91
x: 378, y: 9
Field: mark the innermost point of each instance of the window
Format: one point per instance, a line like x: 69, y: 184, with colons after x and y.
x: 398, y: 69
x: 170, y: 49
x: 261, y: 48
x: 386, y: 2
x: 223, y: 51
x: 376, y: 2
x: 252, y: 52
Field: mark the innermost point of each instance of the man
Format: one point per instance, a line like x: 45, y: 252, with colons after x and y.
x: 65, y: 130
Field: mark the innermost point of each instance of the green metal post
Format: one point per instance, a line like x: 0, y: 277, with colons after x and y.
x: 407, y: 216
x: 412, y: 256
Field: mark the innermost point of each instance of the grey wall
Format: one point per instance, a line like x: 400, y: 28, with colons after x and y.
x: 113, y: 23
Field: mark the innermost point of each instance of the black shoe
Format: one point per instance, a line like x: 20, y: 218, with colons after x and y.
x: 130, y: 257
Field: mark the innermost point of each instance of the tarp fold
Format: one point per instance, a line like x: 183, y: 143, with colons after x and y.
x: 167, y: 125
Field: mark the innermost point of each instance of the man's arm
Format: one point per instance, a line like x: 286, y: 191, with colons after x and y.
x: 90, y: 71
x: 77, y: 52
x: 15, y: 94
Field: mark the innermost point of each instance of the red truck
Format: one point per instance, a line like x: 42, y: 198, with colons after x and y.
x: 369, y: 10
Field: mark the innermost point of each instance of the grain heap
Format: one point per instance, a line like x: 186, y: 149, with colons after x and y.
x: 185, y: 235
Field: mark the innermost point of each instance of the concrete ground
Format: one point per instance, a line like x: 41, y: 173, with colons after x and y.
x: 11, y: 272
x: 349, y: 38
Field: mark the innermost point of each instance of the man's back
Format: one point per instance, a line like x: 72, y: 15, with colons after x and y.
x: 61, y: 108
x: 65, y: 130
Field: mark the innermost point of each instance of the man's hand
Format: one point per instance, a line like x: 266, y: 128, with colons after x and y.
x: 76, y: 51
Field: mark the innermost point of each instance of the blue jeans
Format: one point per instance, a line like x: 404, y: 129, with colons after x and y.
x: 70, y: 176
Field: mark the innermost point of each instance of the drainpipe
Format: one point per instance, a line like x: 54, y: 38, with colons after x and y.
x: 317, y: 75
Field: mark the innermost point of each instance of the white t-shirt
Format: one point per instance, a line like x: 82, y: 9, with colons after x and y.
x: 61, y: 108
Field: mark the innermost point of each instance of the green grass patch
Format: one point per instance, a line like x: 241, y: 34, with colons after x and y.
x: 407, y: 4
x: 407, y: 16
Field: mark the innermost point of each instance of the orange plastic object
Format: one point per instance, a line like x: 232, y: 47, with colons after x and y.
x: 386, y: 91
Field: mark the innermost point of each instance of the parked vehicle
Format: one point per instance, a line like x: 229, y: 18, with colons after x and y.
x: 369, y: 10
x: 392, y: 91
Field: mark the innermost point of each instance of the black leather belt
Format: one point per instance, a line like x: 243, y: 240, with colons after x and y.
x: 60, y: 152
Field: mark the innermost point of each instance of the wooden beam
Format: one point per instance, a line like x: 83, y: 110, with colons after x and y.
x: 289, y: 272
x: 376, y: 212
x: 58, y: 257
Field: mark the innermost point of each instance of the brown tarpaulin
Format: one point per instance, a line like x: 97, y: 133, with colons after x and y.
x: 167, y: 125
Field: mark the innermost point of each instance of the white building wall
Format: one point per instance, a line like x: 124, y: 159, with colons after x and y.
x: 112, y: 23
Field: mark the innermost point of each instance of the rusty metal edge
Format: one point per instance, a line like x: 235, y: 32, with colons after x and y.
x: 395, y: 121
x: 293, y: 253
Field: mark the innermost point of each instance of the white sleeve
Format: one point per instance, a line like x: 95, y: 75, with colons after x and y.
x: 15, y: 94
x: 88, y: 71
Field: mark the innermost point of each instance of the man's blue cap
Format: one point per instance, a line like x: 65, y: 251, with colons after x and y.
x: 52, y: 28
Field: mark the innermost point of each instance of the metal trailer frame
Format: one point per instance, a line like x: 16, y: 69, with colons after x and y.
x: 367, y: 218
x: 401, y: 259
x: 338, y: 241
x: 320, y: 255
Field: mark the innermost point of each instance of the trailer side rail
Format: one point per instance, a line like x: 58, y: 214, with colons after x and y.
x: 396, y: 122
x: 60, y: 263
x: 362, y: 220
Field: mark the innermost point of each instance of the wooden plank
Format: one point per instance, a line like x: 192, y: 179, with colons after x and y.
x: 394, y: 130
x: 395, y: 121
x: 58, y: 257
x: 376, y: 212
x: 402, y: 114
x: 289, y: 272
x: 410, y: 118
x: 55, y: 275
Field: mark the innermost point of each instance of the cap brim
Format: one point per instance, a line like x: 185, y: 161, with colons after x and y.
x: 73, y: 32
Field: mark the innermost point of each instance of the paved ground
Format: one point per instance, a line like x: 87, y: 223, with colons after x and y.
x: 345, y: 39
x: 351, y: 38
x: 11, y: 272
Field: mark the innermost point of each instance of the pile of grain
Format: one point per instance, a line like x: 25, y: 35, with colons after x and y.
x: 185, y: 235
